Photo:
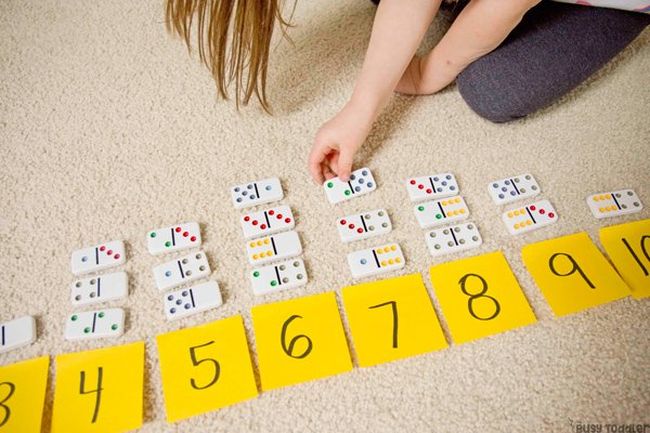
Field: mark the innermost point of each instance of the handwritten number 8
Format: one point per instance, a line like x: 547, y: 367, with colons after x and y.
x: 479, y: 295
x: 289, y: 349
x: 196, y: 362
x: 6, y: 409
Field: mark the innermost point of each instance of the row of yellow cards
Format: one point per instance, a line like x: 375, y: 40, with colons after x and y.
x: 209, y: 366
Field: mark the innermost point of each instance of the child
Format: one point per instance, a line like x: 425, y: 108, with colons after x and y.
x: 507, y: 62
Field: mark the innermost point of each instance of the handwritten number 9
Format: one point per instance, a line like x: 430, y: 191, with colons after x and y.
x: 574, y: 268
x: 196, y: 362
x: 289, y: 349
x: 5, y: 408
x: 479, y: 295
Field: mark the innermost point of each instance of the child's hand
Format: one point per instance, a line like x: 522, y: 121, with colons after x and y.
x: 337, y: 141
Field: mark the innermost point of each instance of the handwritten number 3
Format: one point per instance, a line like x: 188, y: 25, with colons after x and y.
x: 6, y: 409
x: 479, y: 295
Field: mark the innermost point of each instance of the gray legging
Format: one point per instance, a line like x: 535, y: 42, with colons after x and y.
x: 555, y: 48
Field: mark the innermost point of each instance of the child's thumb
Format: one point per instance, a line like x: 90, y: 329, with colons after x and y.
x: 345, y: 163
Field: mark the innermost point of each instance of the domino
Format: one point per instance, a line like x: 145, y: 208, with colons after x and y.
x: 429, y: 187
x: 95, y: 324
x: 530, y: 217
x: 99, y: 257
x: 175, y: 238
x: 271, y: 248
x: 612, y: 204
x: 256, y: 193
x: 364, y: 225
x: 361, y: 182
x: 453, y: 239
x: 181, y: 270
x: 280, y: 276
x: 192, y: 300
x: 437, y: 212
x: 267, y: 222
x: 17, y: 333
x: 375, y: 261
x: 513, y: 188
x: 102, y: 288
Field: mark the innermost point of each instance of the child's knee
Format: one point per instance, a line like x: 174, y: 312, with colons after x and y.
x: 488, y: 100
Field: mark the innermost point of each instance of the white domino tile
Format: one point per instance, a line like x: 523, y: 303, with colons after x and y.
x: 364, y: 225
x: 436, y: 186
x: 530, y: 217
x: 256, y: 193
x: 182, y: 270
x: 174, y: 238
x: 98, y: 257
x: 17, y: 333
x: 284, y: 275
x: 513, y: 188
x: 275, y: 247
x: 615, y: 203
x: 101, y: 288
x: 192, y: 300
x: 375, y: 261
x: 439, y: 212
x: 453, y: 239
x: 361, y: 182
x: 89, y: 325
x: 267, y: 222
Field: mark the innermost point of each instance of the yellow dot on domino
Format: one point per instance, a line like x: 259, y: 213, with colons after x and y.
x: 383, y: 263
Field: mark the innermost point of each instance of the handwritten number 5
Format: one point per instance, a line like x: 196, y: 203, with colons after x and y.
x: 196, y: 362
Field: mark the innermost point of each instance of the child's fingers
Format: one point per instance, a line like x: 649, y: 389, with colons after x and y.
x: 344, y: 167
x: 317, y: 156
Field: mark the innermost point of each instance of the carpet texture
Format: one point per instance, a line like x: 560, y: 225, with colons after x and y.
x: 109, y: 129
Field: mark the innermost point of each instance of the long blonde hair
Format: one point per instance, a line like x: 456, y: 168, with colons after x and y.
x: 233, y: 39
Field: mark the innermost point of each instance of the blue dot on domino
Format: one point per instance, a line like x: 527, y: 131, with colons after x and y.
x: 172, y: 310
x: 364, y: 172
x: 363, y: 261
x: 179, y: 302
x: 352, y: 177
x: 187, y: 306
x: 168, y: 274
x: 268, y: 187
x: 361, y: 180
x: 170, y: 297
x: 369, y: 184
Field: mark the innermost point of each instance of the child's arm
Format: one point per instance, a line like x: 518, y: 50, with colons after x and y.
x: 479, y: 29
x: 396, y: 34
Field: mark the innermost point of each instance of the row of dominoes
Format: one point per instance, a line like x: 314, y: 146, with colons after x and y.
x: 272, y: 246
x: 444, y: 206
x: 364, y: 225
x: 185, y: 269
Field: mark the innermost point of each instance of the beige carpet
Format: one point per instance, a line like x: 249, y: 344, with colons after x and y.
x: 109, y: 129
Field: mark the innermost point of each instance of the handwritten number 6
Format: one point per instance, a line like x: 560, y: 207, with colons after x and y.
x: 12, y: 388
x: 196, y: 362
x: 289, y: 349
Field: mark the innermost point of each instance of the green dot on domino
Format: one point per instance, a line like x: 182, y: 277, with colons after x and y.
x: 420, y: 208
x: 438, y: 216
x: 86, y: 330
x: 330, y: 185
x: 168, y: 244
x: 152, y: 234
x: 114, y: 327
x: 347, y: 192
x: 256, y: 274
x: 274, y: 283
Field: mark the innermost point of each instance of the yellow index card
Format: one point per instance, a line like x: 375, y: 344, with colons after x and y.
x: 628, y: 246
x: 99, y: 391
x: 22, y: 394
x: 573, y: 274
x: 480, y: 296
x: 299, y: 340
x: 392, y: 319
x: 205, y: 368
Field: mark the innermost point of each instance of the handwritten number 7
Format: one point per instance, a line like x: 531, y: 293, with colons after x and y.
x: 393, y: 306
